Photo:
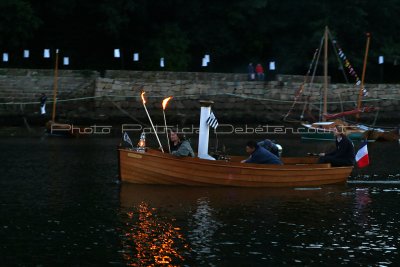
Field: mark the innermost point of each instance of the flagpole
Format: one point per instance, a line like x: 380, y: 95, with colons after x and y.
x: 151, y: 122
x: 53, y: 116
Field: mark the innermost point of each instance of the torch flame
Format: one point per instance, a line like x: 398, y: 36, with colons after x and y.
x: 165, y: 102
x: 142, y: 96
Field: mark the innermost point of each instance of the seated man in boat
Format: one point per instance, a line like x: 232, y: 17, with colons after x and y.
x: 270, y: 146
x: 344, y: 154
x: 260, y: 155
x: 179, y: 146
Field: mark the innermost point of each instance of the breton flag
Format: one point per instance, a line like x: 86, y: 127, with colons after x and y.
x: 212, y: 121
x: 127, y: 139
x: 362, y: 156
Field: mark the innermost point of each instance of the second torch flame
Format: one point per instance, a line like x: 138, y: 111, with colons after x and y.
x: 164, y: 106
x: 165, y: 102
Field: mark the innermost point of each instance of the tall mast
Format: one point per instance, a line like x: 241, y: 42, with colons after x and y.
x: 325, y: 109
x: 363, y: 75
x: 55, y: 87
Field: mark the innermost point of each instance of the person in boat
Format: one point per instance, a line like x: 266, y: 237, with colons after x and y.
x: 270, y: 146
x: 179, y: 146
x: 260, y: 155
x: 344, y: 155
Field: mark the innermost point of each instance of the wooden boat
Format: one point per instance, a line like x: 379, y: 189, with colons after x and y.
x: 322, y: 130
x: 154, y: 167
x: 393, y: 135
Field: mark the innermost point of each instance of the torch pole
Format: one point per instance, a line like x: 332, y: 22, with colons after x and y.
x: 152, y: 125
x: 166, y: 131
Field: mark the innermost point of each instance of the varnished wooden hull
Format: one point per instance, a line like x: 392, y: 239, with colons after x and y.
x: 154, y: 167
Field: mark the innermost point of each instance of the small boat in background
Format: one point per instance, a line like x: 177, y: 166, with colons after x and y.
x: 323, y: 131
x: 391, y: 136
x: 54, y: 128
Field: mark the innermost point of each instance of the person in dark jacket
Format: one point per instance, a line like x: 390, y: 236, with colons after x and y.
x: 260, y: 155
x: 270, y: 146
x: 179, y: 146
x: 344, y: 154
x: 251, y: 73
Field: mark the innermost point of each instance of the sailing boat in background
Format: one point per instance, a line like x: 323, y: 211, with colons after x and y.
x: 53, y: 128
x: 323, y: 129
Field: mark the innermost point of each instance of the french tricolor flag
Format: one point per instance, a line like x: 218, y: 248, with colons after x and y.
x: 362, y: 156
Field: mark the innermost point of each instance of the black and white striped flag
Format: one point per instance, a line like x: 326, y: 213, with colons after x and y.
x: 212, y: 121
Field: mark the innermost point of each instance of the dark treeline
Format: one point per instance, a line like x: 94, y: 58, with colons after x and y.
x: 233, y: 32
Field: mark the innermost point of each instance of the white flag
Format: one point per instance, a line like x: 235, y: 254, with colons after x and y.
x: 212, y: 121
x: 127, y: 139
x: 117, y: 53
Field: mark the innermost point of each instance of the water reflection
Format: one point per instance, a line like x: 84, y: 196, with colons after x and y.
x: 150, y: 240
x: 203, y: 225
x: 280, y: 226
x: 361, y: 210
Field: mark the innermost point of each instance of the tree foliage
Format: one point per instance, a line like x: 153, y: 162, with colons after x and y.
x: 17, y: 22
x: 233, y: 32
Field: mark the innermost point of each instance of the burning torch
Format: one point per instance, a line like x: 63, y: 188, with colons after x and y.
x: 164, y: 106
x: 151, y: 122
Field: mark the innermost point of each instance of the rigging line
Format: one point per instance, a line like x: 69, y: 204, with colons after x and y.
x: 316, y: 65
x: 301, y: 89
x: 341, y: 102
x: 315, y: 70
x: 320, y: 90
x: 195, y: 95
x: 50, y: 101
x: 333, y: 42
x: 304, y: 109
x: 376, y: 118
x: 94, y: 97
x: 125, y: 112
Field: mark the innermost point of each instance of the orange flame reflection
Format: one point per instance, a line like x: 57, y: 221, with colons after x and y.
x: 142, y: 96
x: 165, y: 102
x: 151, y: 241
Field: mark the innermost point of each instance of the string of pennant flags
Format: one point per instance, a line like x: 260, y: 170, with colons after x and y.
x: 350, y: 69
x: 205, y: 61
x: 27, y: 54
x: 117, y: 54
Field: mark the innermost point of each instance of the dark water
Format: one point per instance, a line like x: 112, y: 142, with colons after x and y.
x: 61, y: 205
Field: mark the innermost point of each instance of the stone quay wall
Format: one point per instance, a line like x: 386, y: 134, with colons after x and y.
x: 115, y: 96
